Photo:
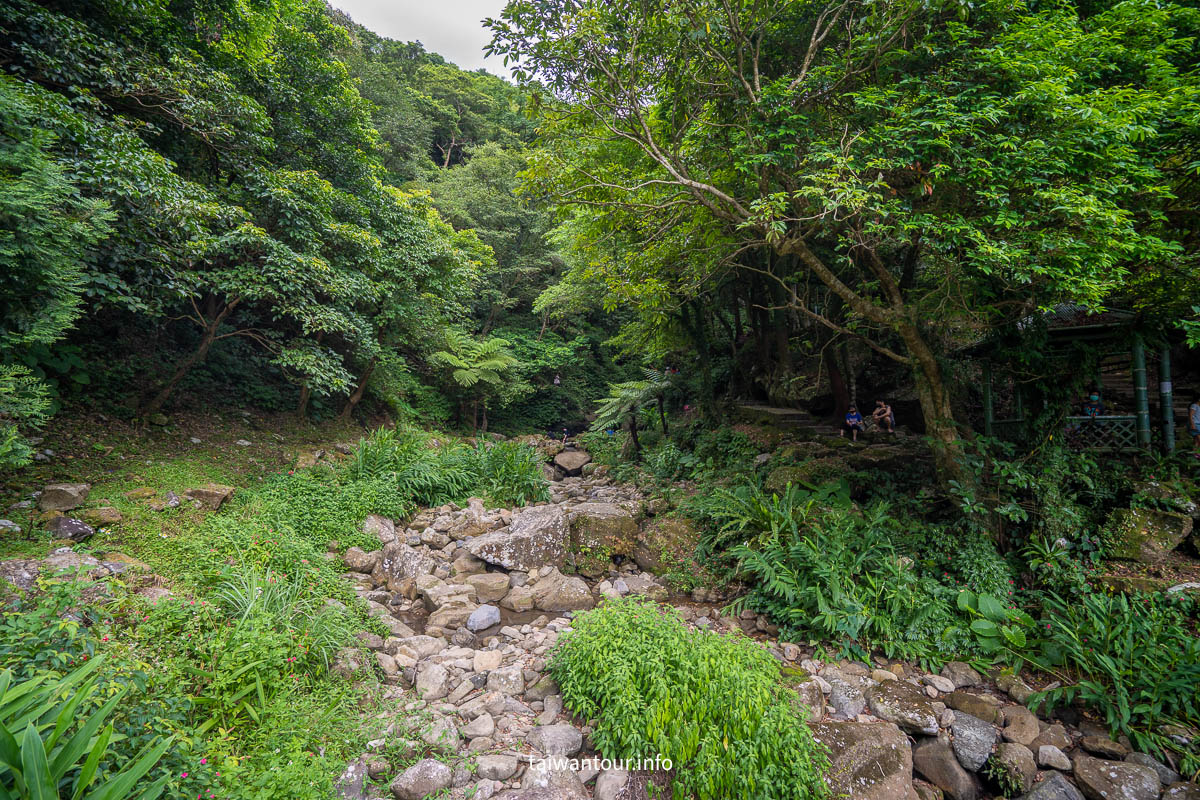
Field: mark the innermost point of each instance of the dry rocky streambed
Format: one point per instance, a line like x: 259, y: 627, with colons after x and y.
x: 475, y: 598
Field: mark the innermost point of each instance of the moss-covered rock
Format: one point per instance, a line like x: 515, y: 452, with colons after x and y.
x: 666, y: 544
x: 597, y: 532
x: 1141, y: 534
x: 812, y: 473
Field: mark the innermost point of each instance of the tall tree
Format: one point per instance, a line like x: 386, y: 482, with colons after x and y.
x: 933, y: 166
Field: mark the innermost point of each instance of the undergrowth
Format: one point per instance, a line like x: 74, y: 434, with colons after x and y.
x: 714, y: 705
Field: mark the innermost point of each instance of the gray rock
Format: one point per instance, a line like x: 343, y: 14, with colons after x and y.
x: 1054, y: 787
x: 496, y: 767
x: 1020, y: 725
x: 868, y: 761
x: 483, y: 725
x: 610, y: 784
x: 973, y: 740
x: 1050, y: 756
x: 422, y: 779
x: 943, y: 685
x: 63, y: 496
x: 1181, y: 791
x: 571, y: 462
x: 903, y: 704
x: 556, y: 740
x: 1016, y: 762
x: 1165, y: 774
x: 350, y: 784
x: 508, y: 680
x: 962, y: 674
x: 1115, y: 780
x: 68, y: 528
x: 847, y: 701
x: 483, y: 618
x: 432, y: 681
x: 938, y: 764
x: 537, y: 536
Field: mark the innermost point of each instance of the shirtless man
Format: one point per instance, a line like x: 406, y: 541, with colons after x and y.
x: 884, y: 417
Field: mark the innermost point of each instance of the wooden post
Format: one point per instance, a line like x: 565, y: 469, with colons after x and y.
x: 1166, y: 396
x: 1140, y: 395
x: 989, y: 412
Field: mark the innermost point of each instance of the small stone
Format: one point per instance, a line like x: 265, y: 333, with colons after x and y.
x: 1054, y: 787
x: 495, y: 767
x: 68, y: 528
x: 1050, y: 756
x: 483, y: 725
x: 1020, y: 725
x: 506, y: 680
x: 962, y: 674
x: 1165, y: 774
x: 1104, y: 747
x: 556, y: 740
x: 937, y: 763
x: 63, y: 496
x: 487, y: 660
x: 483, y: 618
x: 973, y: 740
x: 432, y: 680
x: 943, y: 685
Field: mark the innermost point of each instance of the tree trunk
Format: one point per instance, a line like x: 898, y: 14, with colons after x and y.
x: 483, y: 427
x: 198, y: 355
x: 302, y: 406
x: 633, y: 436
x: 359, y: 390
x: 662, y: 415
x: 936, y: 408
x: 475, y: 416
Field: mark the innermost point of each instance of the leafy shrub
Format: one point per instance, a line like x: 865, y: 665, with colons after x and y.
x: 747, y: 512
x: 509, y: 473
x: 841, y: 578
x: 24, y: 400
x: 1134, y: 660
x: 38, y: 634
x: 45, y: 748
x: 712, y: 704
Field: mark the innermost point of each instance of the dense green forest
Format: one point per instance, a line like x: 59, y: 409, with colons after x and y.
x: 371, y: 426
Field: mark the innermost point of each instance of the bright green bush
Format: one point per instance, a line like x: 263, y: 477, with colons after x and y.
x: 1135, y: 660
x: 712, y: 704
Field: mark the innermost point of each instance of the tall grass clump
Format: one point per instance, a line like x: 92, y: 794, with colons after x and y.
x: 714, y: 705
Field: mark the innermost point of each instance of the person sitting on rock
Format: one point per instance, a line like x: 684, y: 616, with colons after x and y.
x: 853, y: 423
x: 883, y: 416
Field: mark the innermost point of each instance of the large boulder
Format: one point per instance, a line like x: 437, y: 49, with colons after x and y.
x: 597, y: 532
x: 63, y: 496
x: 938, y: 764
x: 1115, y: 780
x: 558, y: 592
x: 666, y: 544
x: 973, y: 740
x: 398, y: 562
x: 868, y: 761
x: 905, y: 705
x: 571, y: 461
x: 537, y: 536
x: 1145, y: 535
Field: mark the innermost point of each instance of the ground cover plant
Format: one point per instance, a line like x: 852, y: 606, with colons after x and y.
x: 713, y: 704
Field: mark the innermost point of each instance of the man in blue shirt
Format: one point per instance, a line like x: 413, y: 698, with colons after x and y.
x: 853, y: 423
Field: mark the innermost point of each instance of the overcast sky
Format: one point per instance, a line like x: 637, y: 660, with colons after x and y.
x: 451, y: 28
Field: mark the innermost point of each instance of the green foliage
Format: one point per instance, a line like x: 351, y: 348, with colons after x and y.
x: 24, y: 401
x: 51, y: 747
x: 840, y: 578
x: 510, y: 473
x: 1136, y: 660
x: 997, y: 626
x: 712, y: 704
x: 747, y: 514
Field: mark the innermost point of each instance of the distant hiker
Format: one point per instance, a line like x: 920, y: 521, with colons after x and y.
x: 883, y: 416
x: 1093, y: 407
x: 564, y: 436
x: 1194, y: 424
x: 557, y: 380
x: 853, y: 423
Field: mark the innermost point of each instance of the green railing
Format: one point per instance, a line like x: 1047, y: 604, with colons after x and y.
x: 1107, y: 432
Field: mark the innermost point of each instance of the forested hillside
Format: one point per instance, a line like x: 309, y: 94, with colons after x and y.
x: 740, y: 399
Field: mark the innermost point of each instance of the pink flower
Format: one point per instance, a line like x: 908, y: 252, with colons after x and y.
x: 184, y: 775
x: 204, y: 761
